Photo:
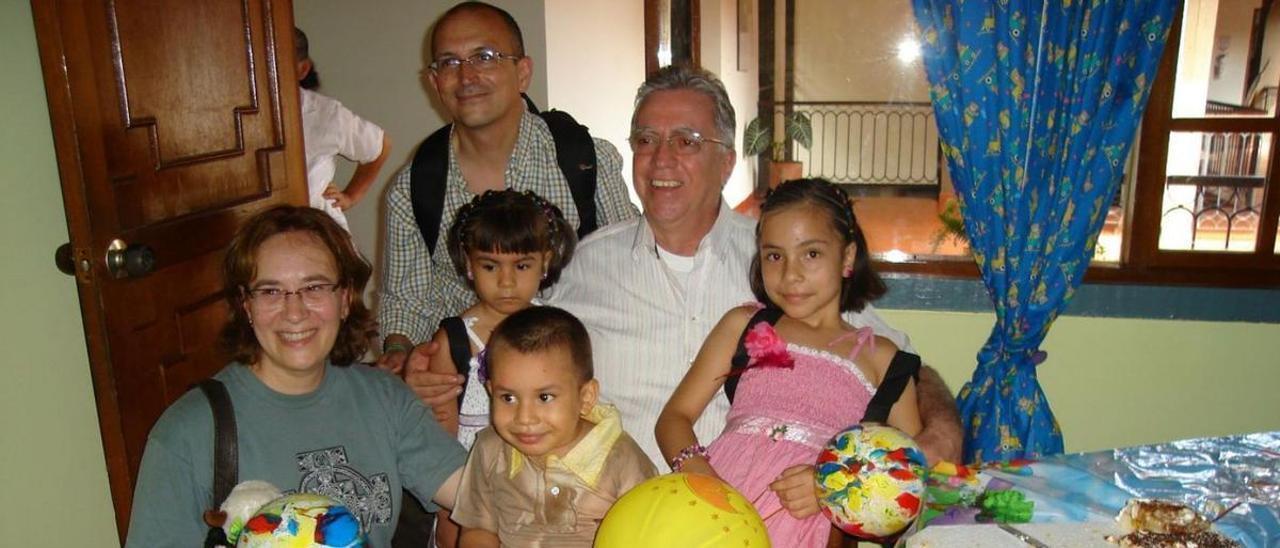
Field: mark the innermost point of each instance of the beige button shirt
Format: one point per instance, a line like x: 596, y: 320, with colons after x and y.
x: 557, y: 504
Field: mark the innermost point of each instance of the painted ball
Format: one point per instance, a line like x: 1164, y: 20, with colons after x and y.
x: 682, y: 510
x: 870, y: 480
x: 302, y: 520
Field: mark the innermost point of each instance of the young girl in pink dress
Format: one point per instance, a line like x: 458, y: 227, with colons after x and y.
x: 805, y: 377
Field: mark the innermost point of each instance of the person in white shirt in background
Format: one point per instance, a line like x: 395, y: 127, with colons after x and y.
x: 329, y: 130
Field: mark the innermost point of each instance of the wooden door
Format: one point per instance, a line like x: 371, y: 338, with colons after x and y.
x: 173, y: 120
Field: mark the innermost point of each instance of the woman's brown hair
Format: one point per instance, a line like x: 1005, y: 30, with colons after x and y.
x: 240, y: 267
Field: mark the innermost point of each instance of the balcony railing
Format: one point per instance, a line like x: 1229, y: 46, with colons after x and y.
x: 870, y: 144
x: 1221, y: 205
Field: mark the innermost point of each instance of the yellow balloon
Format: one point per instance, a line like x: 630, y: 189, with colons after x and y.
x: 678, y: 509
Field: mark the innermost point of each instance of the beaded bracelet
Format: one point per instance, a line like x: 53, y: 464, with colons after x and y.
x: 396, y: 347
x: 695, y: 450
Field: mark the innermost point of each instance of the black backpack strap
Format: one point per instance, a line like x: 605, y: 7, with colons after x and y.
x: 226, y: 467
x: 459, y: 349
x: 428, y: 179
x: 740, y: 357
x: 576, y: 154
x: 904, y: 367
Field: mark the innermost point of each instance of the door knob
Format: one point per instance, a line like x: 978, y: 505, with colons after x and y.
x: 129, y: 261
x: 64, y: 258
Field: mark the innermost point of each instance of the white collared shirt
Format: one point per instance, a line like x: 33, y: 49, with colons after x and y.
x: 329, y: 130
x: 646, y: 329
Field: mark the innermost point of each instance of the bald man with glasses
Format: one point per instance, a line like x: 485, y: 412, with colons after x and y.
x: 480, y: 71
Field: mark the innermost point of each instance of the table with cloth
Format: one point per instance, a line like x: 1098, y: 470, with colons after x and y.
x: 1080, y: 494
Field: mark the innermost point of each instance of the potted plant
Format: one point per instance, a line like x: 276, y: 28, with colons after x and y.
x: 758, y: 139
x: 952, y: 226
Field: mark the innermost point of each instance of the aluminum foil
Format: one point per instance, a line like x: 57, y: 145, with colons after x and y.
x: 1208, y: 474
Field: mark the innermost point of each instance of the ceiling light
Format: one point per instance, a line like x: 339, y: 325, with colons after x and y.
x: 908, y: 50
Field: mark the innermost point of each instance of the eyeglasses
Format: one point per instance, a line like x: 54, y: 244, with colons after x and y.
x: 313, y: 295
x: 485, y: 59
x: 685, y: 142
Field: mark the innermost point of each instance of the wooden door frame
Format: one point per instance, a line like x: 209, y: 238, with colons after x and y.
x: 687, y: 11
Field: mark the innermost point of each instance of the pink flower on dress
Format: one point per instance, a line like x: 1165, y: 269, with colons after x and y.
x: 766, y: 348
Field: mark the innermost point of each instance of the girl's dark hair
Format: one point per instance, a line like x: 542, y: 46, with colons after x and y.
x: 240, y: 267
x: 857, y: 290
x: 512, y: 221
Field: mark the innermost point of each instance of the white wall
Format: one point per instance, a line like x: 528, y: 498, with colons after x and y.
x: 720, y: 43
x: 593, y: 65
x: 1231, y: 40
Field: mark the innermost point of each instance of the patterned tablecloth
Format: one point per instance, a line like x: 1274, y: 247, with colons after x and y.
x: 1209, y: 474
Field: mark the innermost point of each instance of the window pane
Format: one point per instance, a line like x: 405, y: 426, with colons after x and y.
x: 1111, y: 238
x: 1228, y: 62
x: 1215, y: 184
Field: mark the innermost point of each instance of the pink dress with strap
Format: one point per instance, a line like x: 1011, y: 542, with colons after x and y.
x: 782, y: 416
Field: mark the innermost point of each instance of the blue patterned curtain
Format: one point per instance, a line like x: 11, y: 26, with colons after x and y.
x: 1037, y: 103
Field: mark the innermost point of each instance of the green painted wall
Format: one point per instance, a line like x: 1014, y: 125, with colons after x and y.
x: 51, y: 463
x: 1117, y: 382
x: 1111, y: 381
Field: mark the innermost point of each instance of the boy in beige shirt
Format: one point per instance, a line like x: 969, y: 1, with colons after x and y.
x: 553, y: 462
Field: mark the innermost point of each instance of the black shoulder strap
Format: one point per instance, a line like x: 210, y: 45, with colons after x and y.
x: 740, y: 357
x: 428, y: 178
x: 226, y: 467
x: 575, y: 154
x: 459, y: 349
x: 904, y: 367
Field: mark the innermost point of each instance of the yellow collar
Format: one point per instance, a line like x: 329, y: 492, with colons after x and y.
x: 586, y: 459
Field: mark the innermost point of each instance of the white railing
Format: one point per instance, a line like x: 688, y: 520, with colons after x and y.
x: 874, y: 144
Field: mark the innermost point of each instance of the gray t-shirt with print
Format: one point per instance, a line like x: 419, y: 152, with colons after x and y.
x: 360, y: 438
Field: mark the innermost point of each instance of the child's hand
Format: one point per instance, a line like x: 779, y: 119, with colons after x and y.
x: 340, y: 199
x: 796, y: 491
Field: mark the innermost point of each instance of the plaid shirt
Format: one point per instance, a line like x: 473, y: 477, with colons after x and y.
x: 418, y: 290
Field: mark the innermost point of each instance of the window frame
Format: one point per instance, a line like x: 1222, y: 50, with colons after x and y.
x: 1142, y: 252
x: 1141, y: 260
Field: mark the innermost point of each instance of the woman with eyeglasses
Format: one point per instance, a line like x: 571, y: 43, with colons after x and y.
x: 307, y: 418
